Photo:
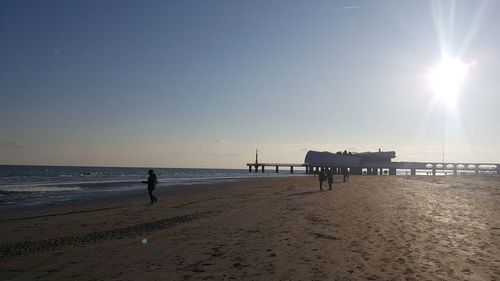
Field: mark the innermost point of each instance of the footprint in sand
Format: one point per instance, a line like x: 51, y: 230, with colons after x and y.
x: 216, y: 252
x: 467, y: 271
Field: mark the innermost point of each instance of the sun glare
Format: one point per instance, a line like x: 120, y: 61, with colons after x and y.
x: 446, y: 79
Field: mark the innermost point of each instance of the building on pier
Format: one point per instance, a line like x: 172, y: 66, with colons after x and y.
x: 352, y: 161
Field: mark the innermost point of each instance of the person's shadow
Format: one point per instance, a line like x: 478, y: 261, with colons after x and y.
x: 305, y: 193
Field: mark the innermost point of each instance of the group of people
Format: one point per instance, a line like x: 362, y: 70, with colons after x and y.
x: 326, y: 174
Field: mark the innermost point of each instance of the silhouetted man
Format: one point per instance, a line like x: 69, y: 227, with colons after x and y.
x: 152, y: 181
x: 322, y: 178
x: 345, y: 173
x: 329, y: 176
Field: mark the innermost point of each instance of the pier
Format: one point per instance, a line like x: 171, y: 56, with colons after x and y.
x: 276, y: 166
x: 374, y: 163
x: 385, y: 169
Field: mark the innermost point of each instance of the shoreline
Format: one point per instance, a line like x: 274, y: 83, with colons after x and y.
x: 111, y: 198
x: 60, y: 193
x: 280, y: 228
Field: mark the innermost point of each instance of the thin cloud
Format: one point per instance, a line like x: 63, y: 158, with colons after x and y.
x: 346, y: 7
x: 215, y: 154
x: 220, y: 141
x: 204, y: 154
x: 11, y: 144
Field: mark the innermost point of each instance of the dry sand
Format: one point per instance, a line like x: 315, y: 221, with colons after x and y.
x: 372, y: 228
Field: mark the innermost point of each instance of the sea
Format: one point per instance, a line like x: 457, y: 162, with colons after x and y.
x: 31, y: 186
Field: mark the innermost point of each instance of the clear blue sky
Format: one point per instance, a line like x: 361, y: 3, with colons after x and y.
x: 204, y: 83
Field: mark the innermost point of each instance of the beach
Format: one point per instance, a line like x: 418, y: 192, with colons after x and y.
x: 281, y: 228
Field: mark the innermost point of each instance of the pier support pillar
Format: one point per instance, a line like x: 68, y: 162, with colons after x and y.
x: 249, y: 169
x: 256, y: 168
x: 413, y: 172
x: 433, y: 172
x: 291, y: 169
x: 263, y: 168
x: 392, y: 172
x: 476, y: 172
x: 455, y: 172
x: 356, y: 171
x: 381, y: 171
x: 277, y: 169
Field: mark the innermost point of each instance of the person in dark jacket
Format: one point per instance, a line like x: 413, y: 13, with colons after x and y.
x: 322, y: 178
x: 345, y: 173
x: 151, y: 182
x: 329, y: 176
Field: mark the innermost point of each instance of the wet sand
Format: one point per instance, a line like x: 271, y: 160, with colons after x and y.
x: 372, y: 228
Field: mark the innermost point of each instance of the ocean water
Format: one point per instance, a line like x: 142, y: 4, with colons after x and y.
x: 22, y: 186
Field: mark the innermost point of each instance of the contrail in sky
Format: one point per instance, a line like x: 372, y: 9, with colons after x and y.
x: 346, y: 7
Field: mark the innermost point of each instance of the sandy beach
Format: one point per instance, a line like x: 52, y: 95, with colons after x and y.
x: 372, y: 228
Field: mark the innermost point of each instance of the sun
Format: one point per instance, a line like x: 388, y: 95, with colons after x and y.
x: 446, y: 79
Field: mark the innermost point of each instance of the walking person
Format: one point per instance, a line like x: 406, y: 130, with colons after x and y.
x: 329, y: 176
x: 322, y: 178
x: 151, y: 182
x: 345, y: 173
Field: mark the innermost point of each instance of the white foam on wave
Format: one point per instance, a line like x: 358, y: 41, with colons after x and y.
x: 53, y: 184
x: 40, y: 188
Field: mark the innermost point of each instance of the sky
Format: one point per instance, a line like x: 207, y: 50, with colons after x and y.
x: 205, y: 83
